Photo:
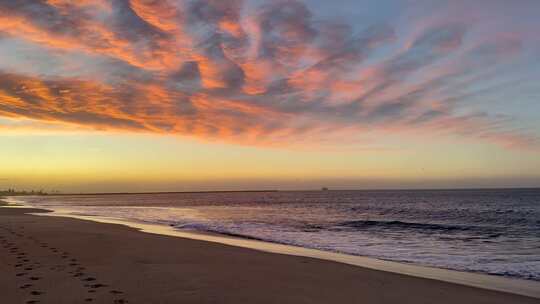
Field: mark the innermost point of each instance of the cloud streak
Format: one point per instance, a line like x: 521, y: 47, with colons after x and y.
x: 271, y: 73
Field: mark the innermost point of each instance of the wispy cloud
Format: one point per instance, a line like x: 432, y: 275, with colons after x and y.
x: 251, y: 74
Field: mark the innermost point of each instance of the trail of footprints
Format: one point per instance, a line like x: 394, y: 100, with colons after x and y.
x: 26, y: 267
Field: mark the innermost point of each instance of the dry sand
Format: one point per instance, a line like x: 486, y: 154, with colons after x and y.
x: 62, y: 260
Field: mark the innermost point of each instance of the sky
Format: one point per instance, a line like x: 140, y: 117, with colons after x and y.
x: 140, y: 95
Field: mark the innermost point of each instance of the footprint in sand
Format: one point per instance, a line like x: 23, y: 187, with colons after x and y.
x: 95, y: 286
x: 36, y: 293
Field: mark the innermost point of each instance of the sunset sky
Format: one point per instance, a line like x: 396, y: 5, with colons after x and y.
x: 139, y: 95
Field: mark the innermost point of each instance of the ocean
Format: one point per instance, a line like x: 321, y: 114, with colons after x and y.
x: 487, y: 231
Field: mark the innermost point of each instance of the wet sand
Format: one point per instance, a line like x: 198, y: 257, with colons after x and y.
x: 64, y: 260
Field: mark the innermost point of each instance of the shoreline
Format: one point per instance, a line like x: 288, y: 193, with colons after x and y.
x: 486, y: 283
x: 490, y: 282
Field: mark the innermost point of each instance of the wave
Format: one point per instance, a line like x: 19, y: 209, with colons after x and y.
x: 10, y: 200
x: 366, y: 224
x: 208, y: 228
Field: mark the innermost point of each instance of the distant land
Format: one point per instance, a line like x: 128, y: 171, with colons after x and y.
x: 13, y: 192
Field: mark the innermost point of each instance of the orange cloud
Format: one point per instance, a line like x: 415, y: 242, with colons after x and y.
x: 223, y: 70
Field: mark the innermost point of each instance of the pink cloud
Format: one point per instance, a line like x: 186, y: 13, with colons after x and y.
x: 277, y: 73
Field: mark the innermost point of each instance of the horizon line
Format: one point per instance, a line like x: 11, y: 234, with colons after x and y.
x: 322, y: 189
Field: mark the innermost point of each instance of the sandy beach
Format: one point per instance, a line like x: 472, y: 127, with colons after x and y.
x: 64, y: 260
